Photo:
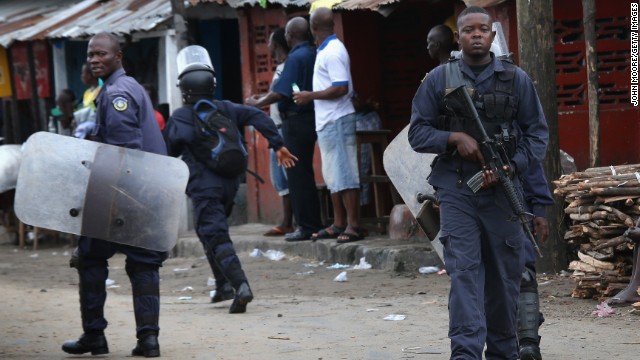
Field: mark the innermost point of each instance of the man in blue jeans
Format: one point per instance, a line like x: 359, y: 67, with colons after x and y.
x: 298, y: 128
x: 336, y: 128
x: 279, y: 50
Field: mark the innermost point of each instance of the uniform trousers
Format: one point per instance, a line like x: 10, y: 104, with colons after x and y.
x: 484, y: 257
x: 142, y: 268
x: 212, y: 206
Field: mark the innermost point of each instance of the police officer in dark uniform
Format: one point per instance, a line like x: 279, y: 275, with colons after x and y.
x: 537, y: 197
x: 125, y: 118
x: 212, y: 194
x: 483, y: 250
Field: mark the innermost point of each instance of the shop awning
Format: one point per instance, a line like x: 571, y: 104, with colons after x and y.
x: 22, y: 20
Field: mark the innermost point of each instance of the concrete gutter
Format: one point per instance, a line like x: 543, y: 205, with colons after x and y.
x: 379, y: 250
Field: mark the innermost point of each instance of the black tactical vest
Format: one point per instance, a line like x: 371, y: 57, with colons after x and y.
x: 497, y: 109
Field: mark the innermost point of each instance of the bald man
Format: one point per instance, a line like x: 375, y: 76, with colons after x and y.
x: 336, y: 128
x: 298, y: 127
x: 440, y: 43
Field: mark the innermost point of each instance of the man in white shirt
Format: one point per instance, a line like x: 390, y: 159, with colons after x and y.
x: 336, y: 128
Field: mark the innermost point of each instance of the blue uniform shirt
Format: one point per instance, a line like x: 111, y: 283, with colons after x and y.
x: 125, y: 115
x: 180, y: 132
x: 297, y: 69
x: 427, y: 106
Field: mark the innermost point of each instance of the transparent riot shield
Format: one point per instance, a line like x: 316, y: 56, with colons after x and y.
x: 408, y: 171
x: 103, y: 191
x: 9, y: 166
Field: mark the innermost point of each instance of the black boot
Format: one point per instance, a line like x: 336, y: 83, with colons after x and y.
x: 243, y: 297
x: 223, y: 292
x: 529, y: 351
x: 94, y: 343
x: 148, y: 346
x: 145, y: 288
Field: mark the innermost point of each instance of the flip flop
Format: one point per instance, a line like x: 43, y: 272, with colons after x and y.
x: 351, y: 235
x: 277, y: 231
x: 331, y: 232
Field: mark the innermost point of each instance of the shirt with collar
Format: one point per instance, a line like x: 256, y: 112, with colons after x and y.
x: 332, y: 68
x: 125, y: 115
x: 297, y: 69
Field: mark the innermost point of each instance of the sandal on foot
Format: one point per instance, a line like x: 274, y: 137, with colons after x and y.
x: 277, y: 231
x: 352, y: 234
x: 332, y: 232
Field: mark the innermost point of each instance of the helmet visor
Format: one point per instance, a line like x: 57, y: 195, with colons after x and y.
x: 193, y: 54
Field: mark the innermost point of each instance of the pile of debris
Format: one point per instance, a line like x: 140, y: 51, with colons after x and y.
x: 603, y: 203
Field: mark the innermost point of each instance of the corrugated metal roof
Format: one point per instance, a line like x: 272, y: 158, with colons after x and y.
x: 241, y: 3
x: 363, y: 4
x: 344, y: 4
x: 29, y: 20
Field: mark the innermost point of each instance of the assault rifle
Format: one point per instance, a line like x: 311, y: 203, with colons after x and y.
x: 496, y: 160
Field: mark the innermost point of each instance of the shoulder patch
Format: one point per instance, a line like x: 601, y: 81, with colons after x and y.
x: 120, y: 103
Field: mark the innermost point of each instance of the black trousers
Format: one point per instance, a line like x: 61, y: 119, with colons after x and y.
x: 299, y: 133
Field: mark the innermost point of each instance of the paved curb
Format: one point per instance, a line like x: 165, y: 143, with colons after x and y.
x: 379, y: 251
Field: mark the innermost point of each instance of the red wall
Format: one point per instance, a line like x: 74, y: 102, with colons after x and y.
x: 619, y: 120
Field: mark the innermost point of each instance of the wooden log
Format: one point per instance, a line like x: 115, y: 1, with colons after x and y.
x: 626, y: 246
x: 617, y: 279
x: 583, y: 293
x: 582, y: 266
x: 596, y: 215
x: 614, y: 288
x: 572, y: 234
x: 584, y: 283
x: 594, y: 262
x: 579, y: 202
x: 621, y: 191
x: 612, y: 242
x: 586, y: 247
x: 619, y: 169
x: 598, y: 256
x: 570, y: 182
x: 626, y: 219
x: 615, y: 231
x: 577, y: 275
x: 604, y: 183
x: 580, y: 209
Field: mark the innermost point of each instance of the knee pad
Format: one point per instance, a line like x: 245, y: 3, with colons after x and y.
x: 528, y: 317
x: 134, y: 267
x: 216, y: 244
x: 144, y: 278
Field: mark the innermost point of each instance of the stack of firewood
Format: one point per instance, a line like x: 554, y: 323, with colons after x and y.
x: 603, y: 203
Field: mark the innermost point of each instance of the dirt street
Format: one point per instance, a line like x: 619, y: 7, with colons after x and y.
x: 299, y: 313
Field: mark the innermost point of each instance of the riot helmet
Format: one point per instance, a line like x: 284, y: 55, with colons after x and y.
x: 197, y: 78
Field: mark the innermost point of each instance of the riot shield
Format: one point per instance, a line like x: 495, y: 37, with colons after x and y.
x: 103, y: 191
x: 9, y: 166
x: 408, y: 171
